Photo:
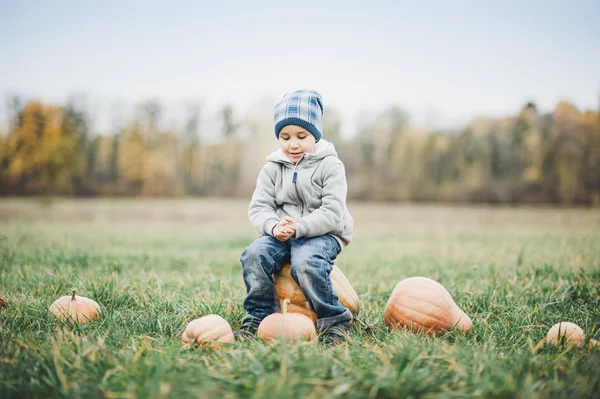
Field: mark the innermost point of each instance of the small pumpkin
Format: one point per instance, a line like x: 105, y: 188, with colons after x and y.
x: 286, y: 287
x: 421, y: 304
x: 208, y: 330
x: 306, y: 310
x: 76, y: 308
x: 569, y: 333
x: 287, y: 326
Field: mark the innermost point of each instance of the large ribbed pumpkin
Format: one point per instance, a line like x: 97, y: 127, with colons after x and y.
x: 421, y: 304
x: 209, y: 330
x: 75, y: 308
x: 287, y: 287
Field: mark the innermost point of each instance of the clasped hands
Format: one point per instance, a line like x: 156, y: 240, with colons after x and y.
x: 285, y: 229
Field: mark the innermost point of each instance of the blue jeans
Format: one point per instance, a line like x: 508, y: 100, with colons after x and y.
x: 311, y: 259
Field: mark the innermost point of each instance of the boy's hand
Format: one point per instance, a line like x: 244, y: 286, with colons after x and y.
x: 286, y: 221
x: 285, y: 229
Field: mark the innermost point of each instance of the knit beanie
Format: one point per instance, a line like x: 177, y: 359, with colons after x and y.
x: 303, y: 108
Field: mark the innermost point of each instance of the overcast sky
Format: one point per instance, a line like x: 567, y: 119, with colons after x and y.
x: 443, y: 61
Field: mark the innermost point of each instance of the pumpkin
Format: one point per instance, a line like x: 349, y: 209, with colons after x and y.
x: 306, y: 310
x: 421, y: 304
x: 287, y: 287
x: 2, y: 303
x: 287, y: 326
x: 208, y: 330
x: 76, y: 308
x: 569, y: 333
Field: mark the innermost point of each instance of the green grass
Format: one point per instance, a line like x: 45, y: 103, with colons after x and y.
x: 155, y: 265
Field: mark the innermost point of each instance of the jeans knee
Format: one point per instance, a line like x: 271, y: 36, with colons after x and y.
x: 250, y: 255
x: 310, y: 265
x: 256, y: 252
x: 262, y: 254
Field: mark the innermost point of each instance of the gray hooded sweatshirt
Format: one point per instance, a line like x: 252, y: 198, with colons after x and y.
x: 312, y: 192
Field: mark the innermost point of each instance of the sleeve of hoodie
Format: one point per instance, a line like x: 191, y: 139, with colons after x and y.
x: 328, y: 217
x: 262, y: 205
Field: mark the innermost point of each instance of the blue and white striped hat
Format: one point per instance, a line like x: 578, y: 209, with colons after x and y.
x: 301, y: 107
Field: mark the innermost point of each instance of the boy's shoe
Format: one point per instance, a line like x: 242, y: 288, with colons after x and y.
x: 336, y: 334
x: 245, y: 332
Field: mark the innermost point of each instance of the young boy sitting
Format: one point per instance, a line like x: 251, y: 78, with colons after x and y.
x: 299, y: 207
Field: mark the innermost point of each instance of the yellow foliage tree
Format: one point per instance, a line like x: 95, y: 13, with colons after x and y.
x: 42, y: 158
x: 132, y: 159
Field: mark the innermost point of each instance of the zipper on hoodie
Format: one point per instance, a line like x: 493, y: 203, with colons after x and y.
x: 294, y: 179
x: 295, y: 176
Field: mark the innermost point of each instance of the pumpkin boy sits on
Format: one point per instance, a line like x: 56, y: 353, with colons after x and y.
x: 299, y: 207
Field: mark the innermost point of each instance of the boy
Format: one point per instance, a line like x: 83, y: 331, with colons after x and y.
x: 299, y: 206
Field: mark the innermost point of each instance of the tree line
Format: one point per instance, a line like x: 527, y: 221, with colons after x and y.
x: 528, y: 157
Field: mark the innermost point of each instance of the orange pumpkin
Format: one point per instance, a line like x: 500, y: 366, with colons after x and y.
x: 75, y: 308
x: 306, y: 310
x: 208, y: 331
x: 287, y: 287
x: 421, y: 304
x: 287, y: 326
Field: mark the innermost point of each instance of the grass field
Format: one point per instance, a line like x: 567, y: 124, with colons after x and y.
x: 155, y: 265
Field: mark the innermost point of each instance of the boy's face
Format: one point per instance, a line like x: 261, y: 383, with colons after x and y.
x: 295, y: 141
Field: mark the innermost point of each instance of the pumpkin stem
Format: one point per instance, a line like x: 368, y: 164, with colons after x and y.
x: 73, y: 292
x: 285, y: 305
x: 593, y: 342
